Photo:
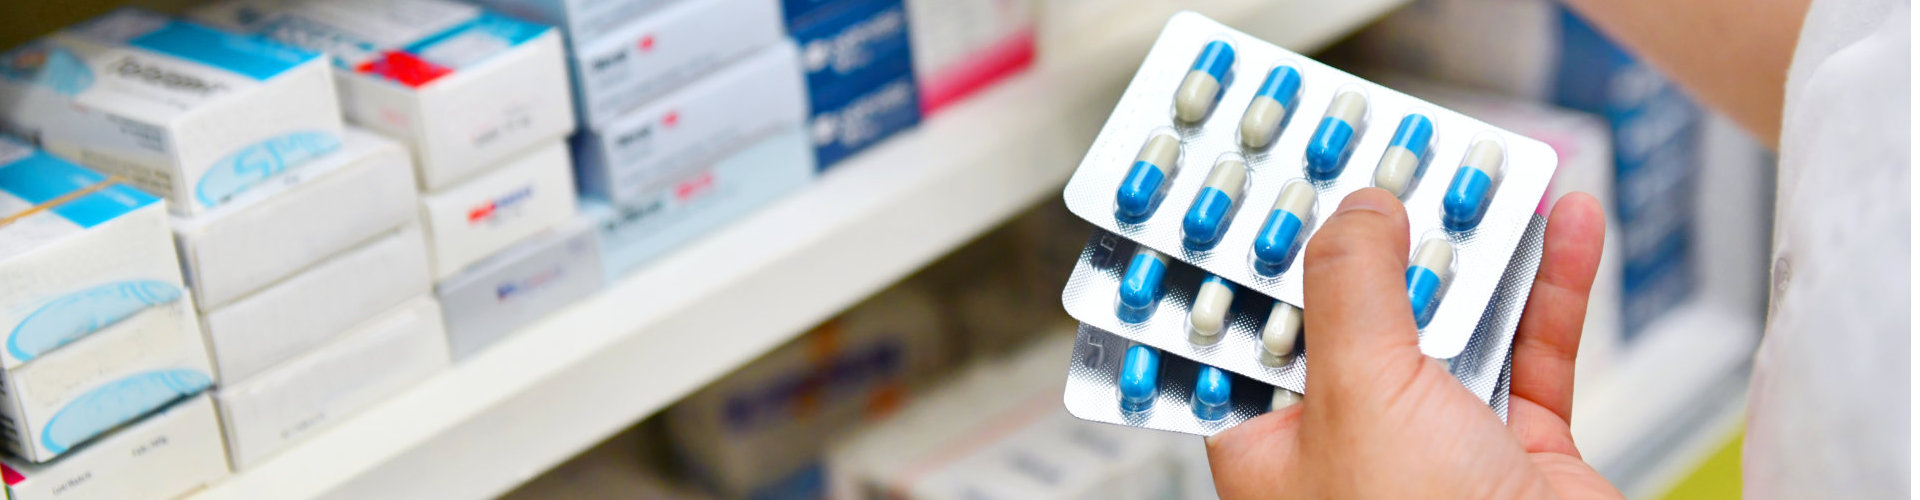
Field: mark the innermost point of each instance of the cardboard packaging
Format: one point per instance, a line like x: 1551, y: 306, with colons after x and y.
x: 335, y: 203
x: 962, y: 47
x: 666, y: 49
x: 643, y: 150
x: 463, y: 87
x: 181, y: 110
x: 519, y: 285
x: 583, y: 20
x: 632, y: 234
x: 860, y: 83
x: 170, y: 453
x: 526, y: 195
x: 374, y: 360
x: 293, y: 316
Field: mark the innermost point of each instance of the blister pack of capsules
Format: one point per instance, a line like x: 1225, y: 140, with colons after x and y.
x: 1161, y: 375
x: 1225, y: 151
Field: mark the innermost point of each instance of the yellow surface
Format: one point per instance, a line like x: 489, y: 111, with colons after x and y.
x: 1717, y: 478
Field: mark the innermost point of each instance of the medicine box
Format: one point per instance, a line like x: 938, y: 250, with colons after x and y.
x: 78, y: 251
x: 188, y: 112
x: 170, y: 453
x: 463, y: 87
x: 378, y: 358
x: 651, y: 55
x: 293, y: 316
x: 860, y: 84
x: 64, y: 398
x: 961, y: 47
x: 668, y: 139
x: 519, y: 285
x: 334, y: 203
x: 583, y: 20
x: 634, y: 233
x: 526, y: 195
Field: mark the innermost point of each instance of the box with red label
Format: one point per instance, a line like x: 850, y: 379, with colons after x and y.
x: 169, y: 453
x: 962, y: 47
x: 465, y: 88
x: 510, y: 202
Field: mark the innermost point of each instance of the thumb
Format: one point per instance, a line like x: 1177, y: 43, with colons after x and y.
x: 1359, y: 324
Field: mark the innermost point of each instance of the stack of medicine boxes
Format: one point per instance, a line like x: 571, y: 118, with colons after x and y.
x: 101, y: 329
x: 858, y: 61
x: 481, y: 102
x: 690, y: 117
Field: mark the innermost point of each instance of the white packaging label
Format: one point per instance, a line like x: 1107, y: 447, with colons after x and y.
x: 470, y: 221
x: 166, y: 454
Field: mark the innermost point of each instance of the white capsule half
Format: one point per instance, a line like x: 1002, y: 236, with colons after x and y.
x: 1281, y: 333
x: 1283, y: 398
x: 1435, y: 254
x: 1208, y: 317
x: 1162, y: 150
x: 1261, y: 122
x: 1488, y: 156
x: 1229, y: 176
x: 1195, y: 97
x: 1296, y: 198
x: 1350, y: 106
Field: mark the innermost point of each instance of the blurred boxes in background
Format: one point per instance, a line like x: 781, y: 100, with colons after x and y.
x: 583, y: 20
x: 464, y: 88
x: 520, y: 285
x: 519, y: 198
x: 858, y: 62
x: 1538, y: 49
x: 961, y: 47
x: 192, y: 114
x: 371, y: 361
x: 760, y: 431
x: 170, y: 453
x: 100, y: 329
x: 648, y: 56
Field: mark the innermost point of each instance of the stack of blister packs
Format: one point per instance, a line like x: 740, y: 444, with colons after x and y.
x: 1206, y: 183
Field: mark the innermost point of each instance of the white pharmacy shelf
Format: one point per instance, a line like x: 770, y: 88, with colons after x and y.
x: 561, y: 385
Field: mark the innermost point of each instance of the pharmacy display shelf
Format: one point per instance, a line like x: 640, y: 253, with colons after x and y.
x: 559, y: 386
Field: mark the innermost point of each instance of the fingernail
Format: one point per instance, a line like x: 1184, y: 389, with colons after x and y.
x: 1211, y: 440
x: 1365, y: 200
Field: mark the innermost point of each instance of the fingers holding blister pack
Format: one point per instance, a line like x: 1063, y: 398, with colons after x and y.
x: 1427, y: 274
x: 1109, y: 380
x: 1244, y: 218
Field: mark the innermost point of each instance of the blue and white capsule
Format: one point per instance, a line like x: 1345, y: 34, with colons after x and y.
x: 1139, y: 378
x: 1204, y: 83
x: 1269, y: 107
x: 1473, y: 185
x: 1280, y: 237
x: 1208, y: 316
x: 1333, y: 140
x: 1140, y: 287
x: 1146, y: 182
x: 1427, y: 275
x: 1281, y: 334
x: 1400, y: 165
x: 1212, y: 394
x: 1213, y: 207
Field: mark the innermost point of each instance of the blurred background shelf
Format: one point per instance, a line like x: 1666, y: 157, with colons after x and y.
x: 577, y: 377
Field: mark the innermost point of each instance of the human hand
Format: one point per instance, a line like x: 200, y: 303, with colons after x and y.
x: 1382, y: 420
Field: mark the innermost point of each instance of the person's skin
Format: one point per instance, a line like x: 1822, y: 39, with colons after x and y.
x: 1731, y: 54
x: 1380, y: 419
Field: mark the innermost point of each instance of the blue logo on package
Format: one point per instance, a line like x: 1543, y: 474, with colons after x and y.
x: 41, y: 178
x: 46, y: 65
x: 118, y: 402
x: 77, y: 314
x: 250, y: 165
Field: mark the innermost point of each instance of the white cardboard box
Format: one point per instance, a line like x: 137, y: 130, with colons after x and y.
x: 62, y: 399
x: 464, y: 88
x: 168, y: 454
x: 78, y: 251
x: 690, y: 128
x: 649, y: 56
x: 519, y: 285
x: 339, y: 201
x: 321, y: 303
x: 526, y: 195
x: 376, y: 359
x: 961, y: 47
x: 191, y: 113
x: 583, y: 20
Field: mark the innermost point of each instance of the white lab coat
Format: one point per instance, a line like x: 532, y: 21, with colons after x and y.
x: 1828, y: 415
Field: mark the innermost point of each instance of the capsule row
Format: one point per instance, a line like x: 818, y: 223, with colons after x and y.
x: 1141, y: 287
x: 1212, y: 400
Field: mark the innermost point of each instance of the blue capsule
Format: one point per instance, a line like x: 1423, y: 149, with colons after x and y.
x: 1213, y: 207
x: 1427, y: 273
x: 1146, y: 182
x: 1140, y: 288
x: 1212, y: 394
x: 1279, y: 239
x: 1269, y: 107
x: 1327, y: 150
x: 1466, y: 198
x: 1401, y: 162
x: 1204, y: 83
x: 1139, y: 378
